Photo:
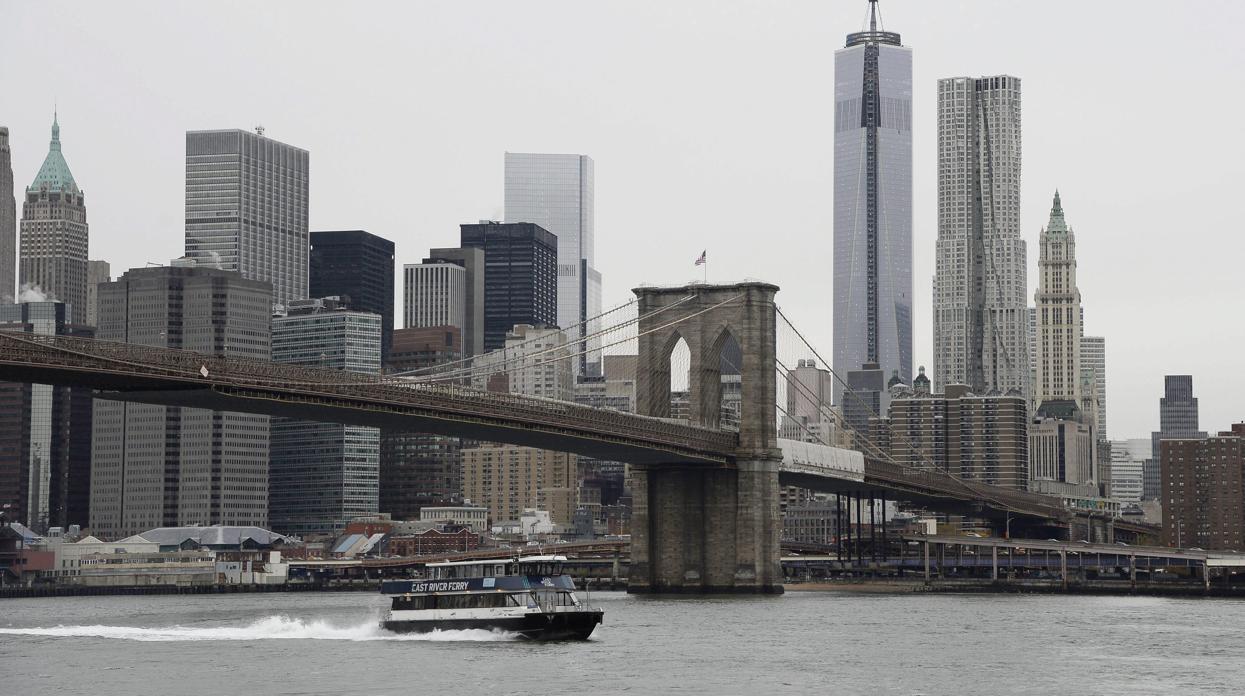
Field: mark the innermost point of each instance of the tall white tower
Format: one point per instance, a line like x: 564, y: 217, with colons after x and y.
x: 1058, y: 304
x: 981, y: 331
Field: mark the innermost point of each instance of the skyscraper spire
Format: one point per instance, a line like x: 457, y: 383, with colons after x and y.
x: 1056, y: 222
x: 54, y: 174
x: 873, y: 15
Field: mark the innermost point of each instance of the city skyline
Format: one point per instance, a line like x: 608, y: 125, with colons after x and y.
x: 643, y: 207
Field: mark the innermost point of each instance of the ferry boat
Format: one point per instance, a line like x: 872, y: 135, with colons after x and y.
x: 529, y: 596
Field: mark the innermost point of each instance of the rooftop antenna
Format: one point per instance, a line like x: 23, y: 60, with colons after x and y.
x: 873, y: 15
x: 259, y: 130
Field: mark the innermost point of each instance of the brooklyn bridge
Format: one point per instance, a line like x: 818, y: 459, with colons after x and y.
x: 705, y: 493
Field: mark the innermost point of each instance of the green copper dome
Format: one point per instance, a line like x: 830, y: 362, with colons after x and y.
x: 55, y: 172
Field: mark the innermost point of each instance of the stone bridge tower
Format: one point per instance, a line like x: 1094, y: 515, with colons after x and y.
x: 698, y: 527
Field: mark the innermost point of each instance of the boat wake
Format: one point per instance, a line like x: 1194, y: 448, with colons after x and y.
x: 268, y: 628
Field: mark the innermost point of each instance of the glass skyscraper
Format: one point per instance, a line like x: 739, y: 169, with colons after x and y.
x: 246, y: 208
x: 45, y: 432
x: 520, y: 276
x: 324, y: 474
x: 556, y: 192
x: 358, y: 265
x: 873, y: 205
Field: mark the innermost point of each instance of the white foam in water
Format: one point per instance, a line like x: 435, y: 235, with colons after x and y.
x: 268, y: 628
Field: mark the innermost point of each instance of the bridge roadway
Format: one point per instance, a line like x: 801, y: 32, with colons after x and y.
x: 128, y: 372
x: 960, y: 556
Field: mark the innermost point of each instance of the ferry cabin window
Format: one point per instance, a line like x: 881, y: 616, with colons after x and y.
x: 463, y: 601
x: 557, y: 599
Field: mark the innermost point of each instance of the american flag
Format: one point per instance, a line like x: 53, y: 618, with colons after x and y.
x: 701, y: 259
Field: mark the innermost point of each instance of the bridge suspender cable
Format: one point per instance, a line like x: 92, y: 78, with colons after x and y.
x: 971, y: 488
x: 471, y: 370
x: 468, y: 361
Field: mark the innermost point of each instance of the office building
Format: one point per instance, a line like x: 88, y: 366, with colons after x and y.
x: 1178, y: 419
x: 973, y: 437
x: 322, y: 475
x: 53, y: 254
x: 45, y: 433
x: 1094, y: 367
x: 434, y: 294
x: 873, y: 204
x: 1128, y: 458
x: 164, y: 466
x: 358, y: 267
x: 810, y: 415
x: 507, y: 479
x: 535, y: 361
x: 613, y: 389
x: 1203, y: 491
x: 1058, y: 304
x: 246, y: 208
x: 96, y: 272
x: 980, y: 337
x: 472, y: 261
x: 556, y: 192
x: 1063, y: 450
x: 8, y: 222
x: 419, y: 470
x: 865, y: 397
x: 520, y: 276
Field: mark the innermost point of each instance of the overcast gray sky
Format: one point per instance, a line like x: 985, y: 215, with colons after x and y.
x: 710, y: 124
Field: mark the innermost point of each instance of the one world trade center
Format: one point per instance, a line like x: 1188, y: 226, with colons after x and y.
x: 873, y: 204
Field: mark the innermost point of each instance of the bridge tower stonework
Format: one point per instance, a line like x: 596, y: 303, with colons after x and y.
x: 698, y: 527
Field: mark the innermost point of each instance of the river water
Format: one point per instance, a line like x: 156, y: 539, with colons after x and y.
x: 799, y: 643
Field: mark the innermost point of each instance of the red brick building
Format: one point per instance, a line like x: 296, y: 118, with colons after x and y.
x: 432, y: 541
x: 1204, y: 491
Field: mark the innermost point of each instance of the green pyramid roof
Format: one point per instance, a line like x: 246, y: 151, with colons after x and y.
x: 1056, y: 222
x: 55, y: 172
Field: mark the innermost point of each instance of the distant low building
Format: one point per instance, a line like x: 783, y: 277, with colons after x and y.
x: 474, y: 518
x: 433, y: 541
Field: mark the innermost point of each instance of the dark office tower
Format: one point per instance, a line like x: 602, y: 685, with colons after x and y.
x: 1178, y: 419
x: 865, y: 397
x: 418, y: 470
x: 873, y: 203
x: 156, y: 466
x: 472, y: 261
x: 45, y: 433
x: 520, y: 276
x: 246, y: 208
x: 357, y: 265
x: 53, y: 253
x: 8, y: 223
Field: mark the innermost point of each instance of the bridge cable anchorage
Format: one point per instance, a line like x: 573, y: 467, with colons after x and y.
x: 970, y: 487
x: 472, y: 370
x: 464, y: 361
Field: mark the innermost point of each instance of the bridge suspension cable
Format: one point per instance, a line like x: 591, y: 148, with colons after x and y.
x: 974, y: 488
x: 472, y: 367
x: 452, y: 365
